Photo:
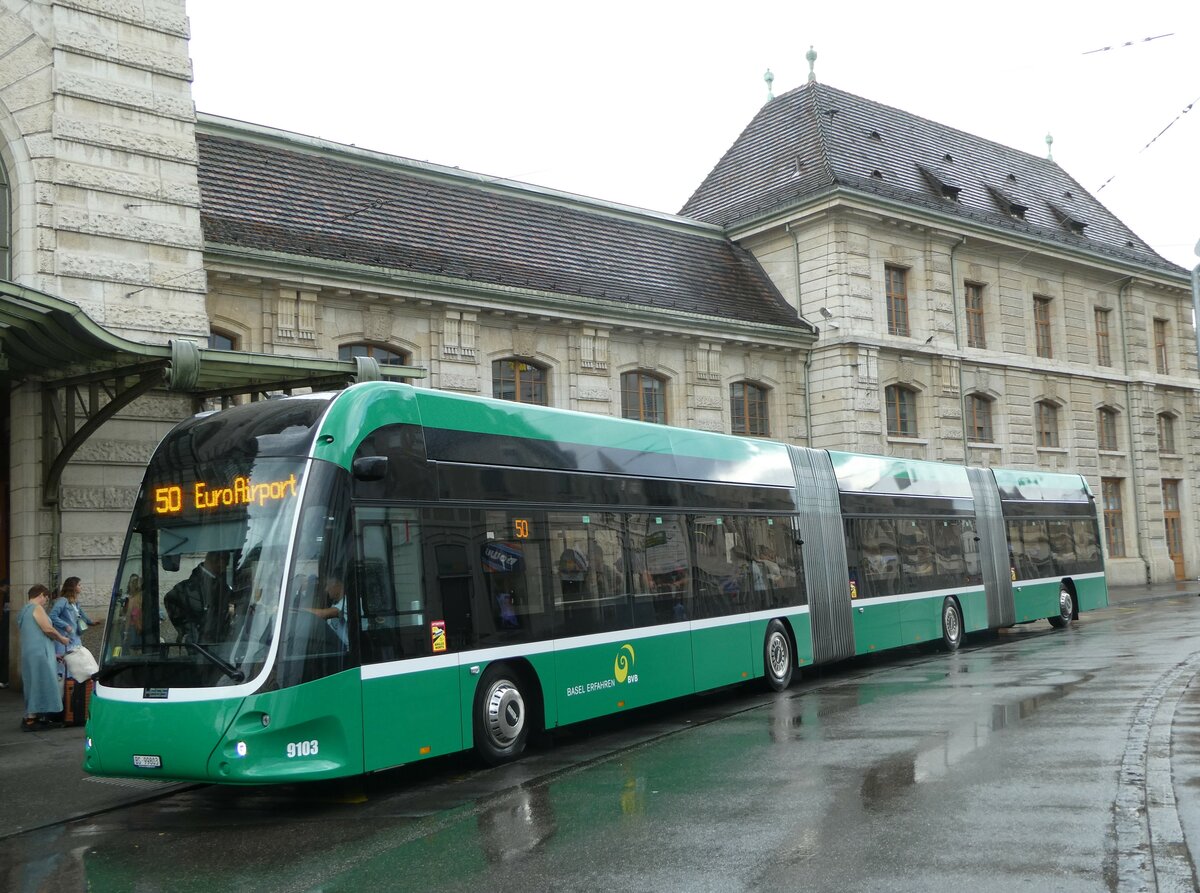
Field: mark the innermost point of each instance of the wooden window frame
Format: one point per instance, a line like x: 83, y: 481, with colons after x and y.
x: 1114, y: 516
x: 1166, y: 433
x: 749, y: 409
x: 979, y: 419
x: 1042, y: 327
x: 896, y: 288
x: 1046, y: 424
x: 633, y: 404
x: 1106, y: 429
x: 901, y: 404
x: 1103, y: 338
x: 1161, y: 335
x: 513, y: 371
x: 973, y: 303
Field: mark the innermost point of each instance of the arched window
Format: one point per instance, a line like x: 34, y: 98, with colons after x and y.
x: 385, y: 356
x: 748, y: 409
x: 1106, y: 428
x: 519, y: 381
x: 222, y: 340
x: 979, y: 419
x: 1046, y: 423
x: 1166, y: 433
x: 643, y: 396
x: 901, y: 411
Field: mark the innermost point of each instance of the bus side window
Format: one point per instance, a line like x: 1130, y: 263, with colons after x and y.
x: 391, y: 595
x: 587, y: 582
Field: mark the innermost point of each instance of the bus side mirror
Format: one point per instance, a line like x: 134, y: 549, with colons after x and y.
x: 370, y: 468
x: 171, y: 563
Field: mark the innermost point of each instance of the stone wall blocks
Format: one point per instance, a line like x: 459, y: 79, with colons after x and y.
x: 99, y: 546
x: 128, y: 138
x: 23, y: 60
x: 33, y: 90
x: 129, y: 228
x: 109, y: 93
x: 159, y: 61
x: 157, y: 15
x: 106, y: 498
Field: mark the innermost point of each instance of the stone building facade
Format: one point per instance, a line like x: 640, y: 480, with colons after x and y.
x: 976, y: 304
x: 864, y: 279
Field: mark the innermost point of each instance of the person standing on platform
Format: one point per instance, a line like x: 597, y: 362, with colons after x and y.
x: 39, y: 670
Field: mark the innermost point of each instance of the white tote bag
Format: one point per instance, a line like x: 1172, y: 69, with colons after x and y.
x: 80, y: 664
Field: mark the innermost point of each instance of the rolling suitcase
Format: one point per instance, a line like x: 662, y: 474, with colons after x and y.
x: 77, y: 698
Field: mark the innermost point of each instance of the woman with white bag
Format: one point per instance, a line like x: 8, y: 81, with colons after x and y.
x: 70, y: 620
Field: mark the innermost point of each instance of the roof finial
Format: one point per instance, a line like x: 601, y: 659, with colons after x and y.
x: 770, y: 79
x: 1049, y: 146
x: 811, y: 56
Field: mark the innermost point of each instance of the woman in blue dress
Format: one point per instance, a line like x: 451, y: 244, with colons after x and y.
x: 39, y: 672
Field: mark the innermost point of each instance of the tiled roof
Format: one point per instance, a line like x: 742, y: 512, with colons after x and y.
x: 815, y: 138
x: 295, y: 198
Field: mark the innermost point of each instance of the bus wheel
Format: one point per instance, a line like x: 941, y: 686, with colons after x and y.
x: 777, y: 657
x: 952, y: 626
x: 1066, y: 609
x: 501, y: 724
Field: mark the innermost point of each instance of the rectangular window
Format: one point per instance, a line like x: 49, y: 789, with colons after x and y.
x: 901, y: 411
x: 1047, y: 424
x: 1166, y: 433
x: 980, y: 421
x: 1041, y: 327
x: 1106, y: 429
x: 748, y: 409
x: 1114, y: 521
x: 897, y: 300
x: 1103, y: 349
x: 974, y: 304
x: 1160, y: 347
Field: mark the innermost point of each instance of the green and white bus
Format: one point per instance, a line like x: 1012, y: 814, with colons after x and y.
x: 327, y: 585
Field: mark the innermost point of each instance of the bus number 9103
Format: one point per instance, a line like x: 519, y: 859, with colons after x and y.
x: 302, y: 749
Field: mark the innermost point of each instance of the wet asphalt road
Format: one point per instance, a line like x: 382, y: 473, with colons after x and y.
x: 1036, y: 760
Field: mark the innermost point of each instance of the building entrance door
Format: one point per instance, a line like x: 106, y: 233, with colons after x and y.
x: 1173, y: 524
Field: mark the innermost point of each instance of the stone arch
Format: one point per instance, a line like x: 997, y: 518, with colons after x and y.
x: 26, y: 113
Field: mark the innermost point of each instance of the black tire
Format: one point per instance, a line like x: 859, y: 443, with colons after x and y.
x: 501, y: 715
x: 1066, y: 609
x: 779, y: 663
x: 952, y: 625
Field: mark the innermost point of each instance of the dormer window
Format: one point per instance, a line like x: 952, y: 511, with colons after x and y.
x: 1067, y: 219
x: 877, y: 174
x: 875, y: 135
x: 1008, y: 203
x: 941, y: 182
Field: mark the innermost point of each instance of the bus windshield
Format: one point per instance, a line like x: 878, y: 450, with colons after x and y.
x: 199, y: 583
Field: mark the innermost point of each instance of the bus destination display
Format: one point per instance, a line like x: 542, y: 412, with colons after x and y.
x: 202, y: 496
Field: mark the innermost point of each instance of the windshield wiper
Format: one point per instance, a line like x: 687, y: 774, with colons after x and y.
x: 227, y: 668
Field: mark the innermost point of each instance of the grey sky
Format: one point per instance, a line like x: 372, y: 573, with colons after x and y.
x: 635, y: 102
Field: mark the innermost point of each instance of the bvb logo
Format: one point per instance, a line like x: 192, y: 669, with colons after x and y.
x: 623, y: 663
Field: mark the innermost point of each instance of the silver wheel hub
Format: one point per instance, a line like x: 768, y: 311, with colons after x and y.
x: 504, y: 713
x: 950, y: 621
x: 778, y: 654
x: 1066, y: 607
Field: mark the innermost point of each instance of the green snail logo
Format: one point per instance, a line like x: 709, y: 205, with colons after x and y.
x: 623, y: 663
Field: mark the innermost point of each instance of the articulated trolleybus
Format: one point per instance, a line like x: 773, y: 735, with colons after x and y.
x: 328, y: 585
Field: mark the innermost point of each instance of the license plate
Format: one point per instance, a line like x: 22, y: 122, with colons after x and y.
x: 147, y: 761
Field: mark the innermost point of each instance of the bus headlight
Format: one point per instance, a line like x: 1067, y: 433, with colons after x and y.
x: 241, y: 748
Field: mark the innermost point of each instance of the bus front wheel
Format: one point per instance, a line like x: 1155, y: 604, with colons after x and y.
x: 778, y: 660
x: 1066, y: 609
x: 501, y: 719
x: 952, y: 625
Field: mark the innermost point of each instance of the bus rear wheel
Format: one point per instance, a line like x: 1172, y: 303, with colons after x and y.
x: 778, y: 660
x: 1066, y: 609
x: 952, y: 625
x: 501, y: 720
